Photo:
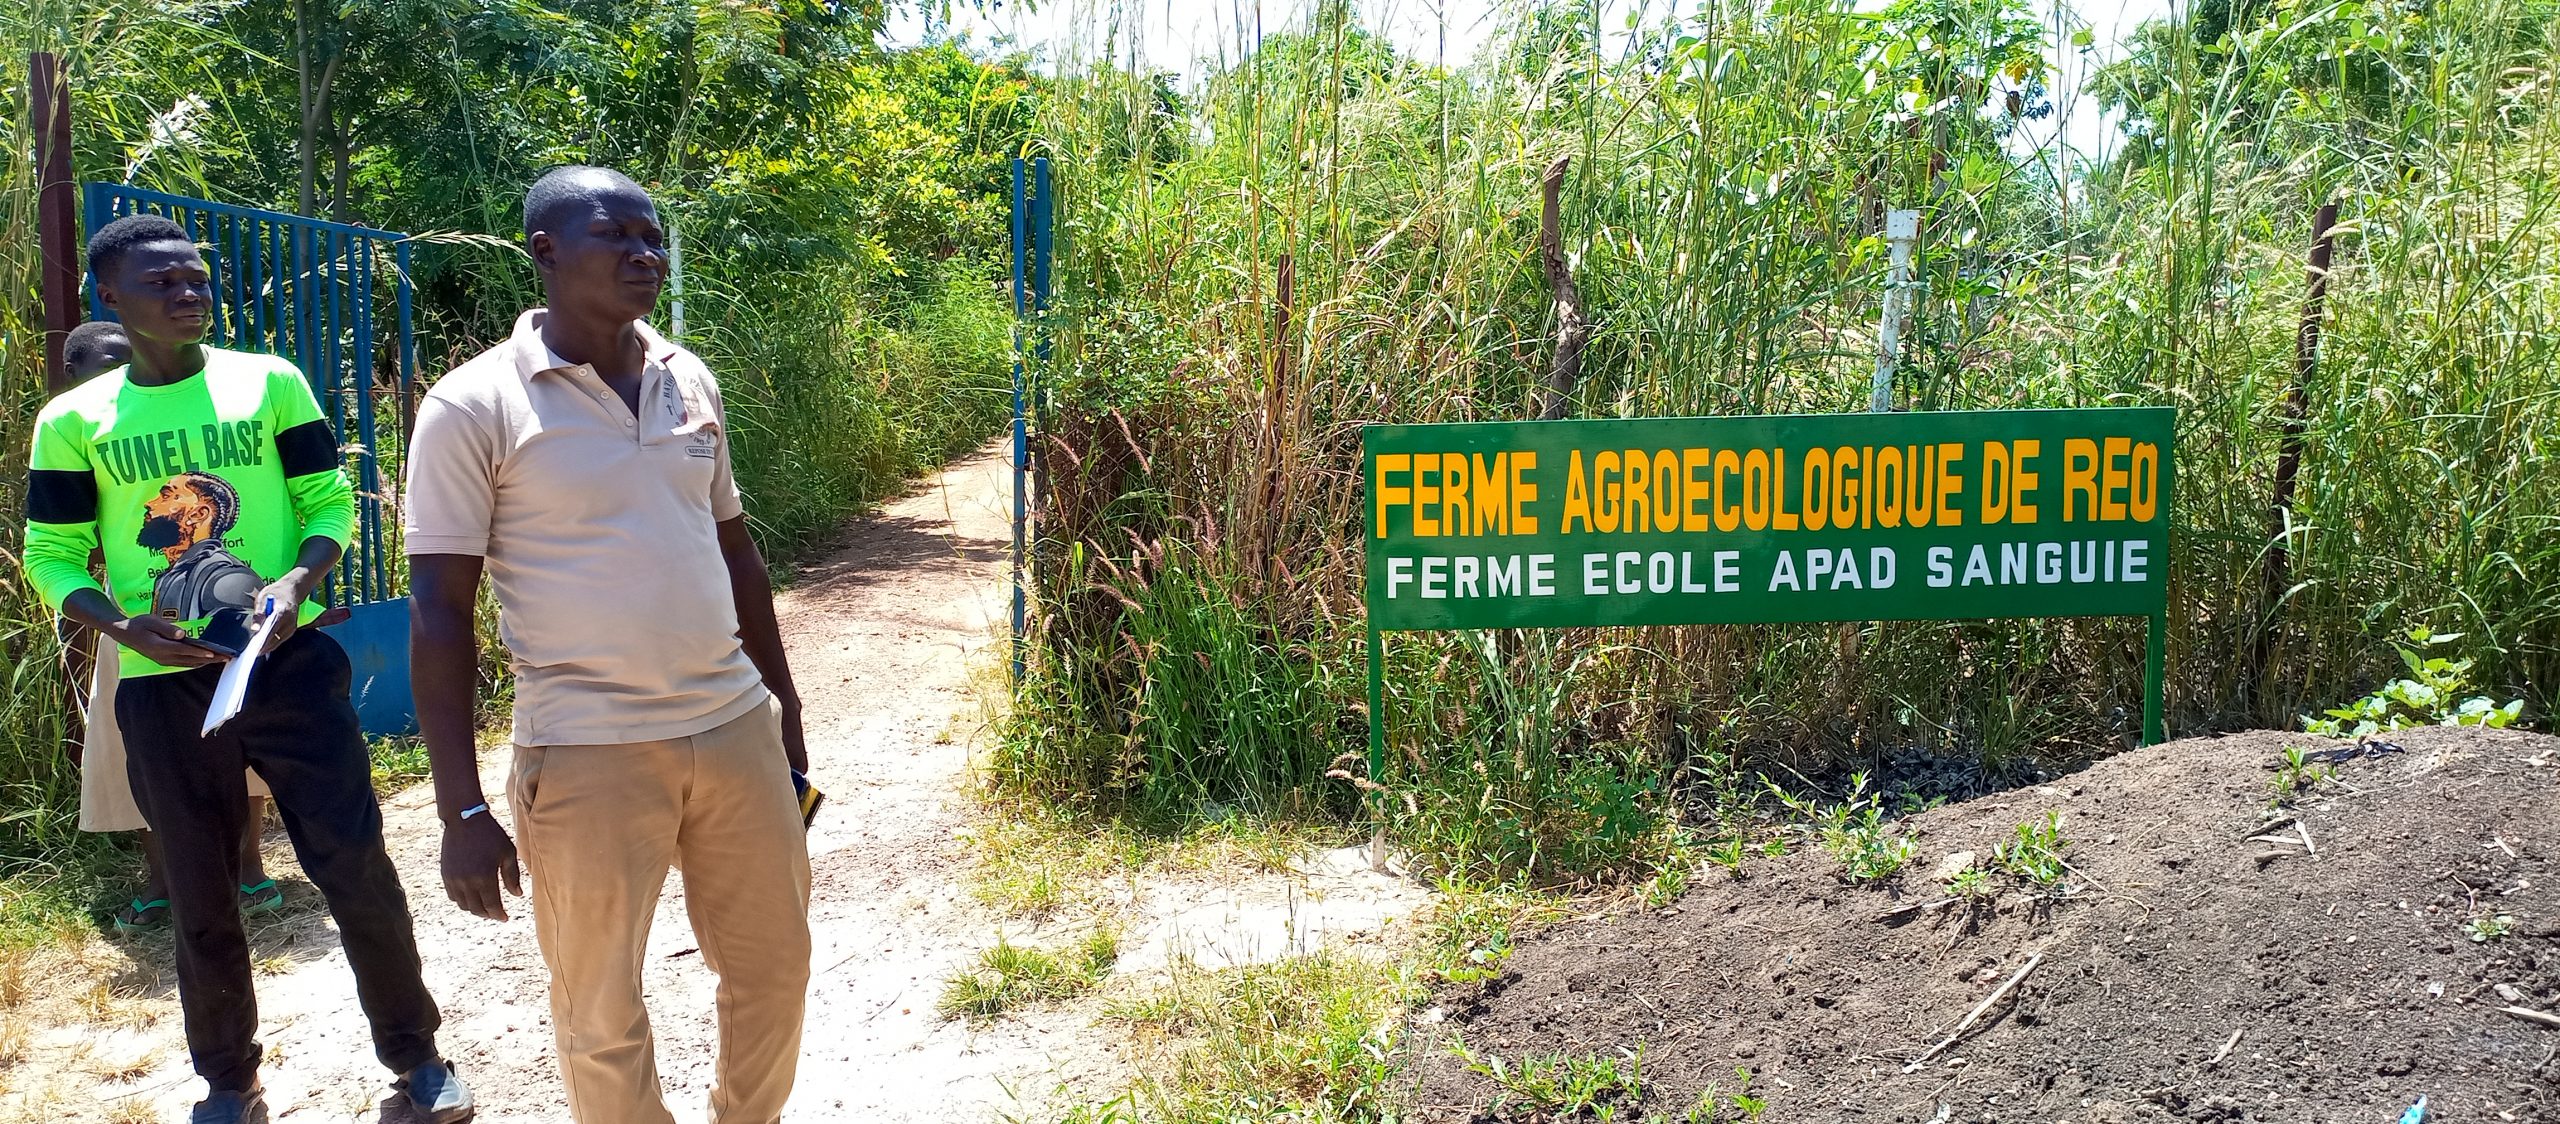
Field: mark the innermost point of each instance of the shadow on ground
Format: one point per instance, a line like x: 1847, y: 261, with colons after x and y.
x: 290, y: 936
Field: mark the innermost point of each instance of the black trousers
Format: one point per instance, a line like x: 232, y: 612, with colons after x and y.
x: 299, y: 731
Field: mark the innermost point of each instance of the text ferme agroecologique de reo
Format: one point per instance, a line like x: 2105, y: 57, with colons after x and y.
x: 1910, y: 516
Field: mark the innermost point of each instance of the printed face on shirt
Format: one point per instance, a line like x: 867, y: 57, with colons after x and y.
x: 186, y: 523
x: 189, y: 509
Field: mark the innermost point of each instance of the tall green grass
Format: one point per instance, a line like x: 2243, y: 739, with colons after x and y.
x: 1325, y: 234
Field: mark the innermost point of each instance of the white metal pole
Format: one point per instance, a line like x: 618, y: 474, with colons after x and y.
x: 1901, y: 232
x: 675, y: 278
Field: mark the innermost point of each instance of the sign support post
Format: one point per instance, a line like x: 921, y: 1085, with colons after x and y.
x: 1377, y: 706
x: 2155, y: 676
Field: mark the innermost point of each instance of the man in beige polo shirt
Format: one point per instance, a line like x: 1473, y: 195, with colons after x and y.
x: 585, y: 464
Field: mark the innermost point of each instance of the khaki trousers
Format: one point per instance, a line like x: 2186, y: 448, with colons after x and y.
x: 599, y: 825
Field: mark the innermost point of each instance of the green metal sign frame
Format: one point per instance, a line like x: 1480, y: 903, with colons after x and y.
x: 1957, y: 515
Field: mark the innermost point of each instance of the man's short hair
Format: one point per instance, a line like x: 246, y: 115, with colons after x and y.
x: 567, y: 185
x: 113, y: 241
x: 87, y: 340
x: 216, y: 492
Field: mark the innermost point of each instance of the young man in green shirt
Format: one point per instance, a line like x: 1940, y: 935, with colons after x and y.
x: 106, y: 797
x: 200, y: 472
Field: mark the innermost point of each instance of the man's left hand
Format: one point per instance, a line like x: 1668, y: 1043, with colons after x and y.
x: 795, y: 745
x: 286, y: 594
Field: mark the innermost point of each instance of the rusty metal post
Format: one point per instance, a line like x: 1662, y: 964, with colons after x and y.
x: 57, y: 207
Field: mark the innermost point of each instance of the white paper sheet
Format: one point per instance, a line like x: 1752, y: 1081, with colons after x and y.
x: 232, y: 690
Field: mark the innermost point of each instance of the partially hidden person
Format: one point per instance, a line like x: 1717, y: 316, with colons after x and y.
x: 583, y: 464
x: 106, y: 796
x: 211, y: 485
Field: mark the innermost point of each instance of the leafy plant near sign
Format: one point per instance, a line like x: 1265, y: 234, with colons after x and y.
x: 1855, y: 831
x: 2033, y: 852
x: 2436, y: 692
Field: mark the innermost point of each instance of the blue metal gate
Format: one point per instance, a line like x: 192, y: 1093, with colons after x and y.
x: 318, y: 293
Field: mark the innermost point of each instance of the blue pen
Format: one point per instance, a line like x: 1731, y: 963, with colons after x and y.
x: 2417, y: 1113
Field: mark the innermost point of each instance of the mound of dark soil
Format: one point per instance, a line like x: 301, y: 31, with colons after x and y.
x: 2358, y: 974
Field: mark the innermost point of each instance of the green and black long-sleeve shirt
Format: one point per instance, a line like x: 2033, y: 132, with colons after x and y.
x: 199, y: 492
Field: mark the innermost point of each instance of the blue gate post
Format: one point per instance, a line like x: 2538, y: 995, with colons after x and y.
x: 303, y: 288
x: 1021, y: 438
x: 1044, y: 219
x: 1033, y: 228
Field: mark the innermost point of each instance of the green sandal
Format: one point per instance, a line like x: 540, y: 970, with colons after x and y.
x: 262, y: 898
x: 139, y: 916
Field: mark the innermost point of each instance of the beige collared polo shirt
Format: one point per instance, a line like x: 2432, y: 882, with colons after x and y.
x: 596, y: 525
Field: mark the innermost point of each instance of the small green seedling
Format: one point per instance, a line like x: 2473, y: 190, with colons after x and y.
x: 1973, y: 884
x: 1867, y: 851
x: 1855, y: 832
x: 2034, y: 854
x: 1729, y: 855
x: 2295, y: 772
x: 2486, y: 929
x: 1667, y: 884
x: 1750, y: 1106
x: 1481, y: 961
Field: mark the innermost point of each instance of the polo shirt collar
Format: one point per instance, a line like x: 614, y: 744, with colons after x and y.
x: 534, y: 357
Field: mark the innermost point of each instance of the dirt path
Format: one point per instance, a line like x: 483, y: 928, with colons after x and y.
x: 885, y: 637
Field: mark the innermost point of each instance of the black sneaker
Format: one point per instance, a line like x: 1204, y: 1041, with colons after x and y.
x: 435, y: 1090
x: 228, y: 1107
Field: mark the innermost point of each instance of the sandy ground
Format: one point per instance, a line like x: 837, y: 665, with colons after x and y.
x: 885, y: 637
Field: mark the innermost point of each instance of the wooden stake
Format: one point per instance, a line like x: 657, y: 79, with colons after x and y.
x: 2225, y: 1051
x: 1996, y: 995
x: 2276, y: 576
x: 57, y: 209
x: 2540, y: 1018
x: 1573, y: 326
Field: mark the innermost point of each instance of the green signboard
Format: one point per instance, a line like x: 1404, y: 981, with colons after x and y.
x: 1831, y: 517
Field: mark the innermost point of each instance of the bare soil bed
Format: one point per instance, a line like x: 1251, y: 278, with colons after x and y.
x: 2359, y: 973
